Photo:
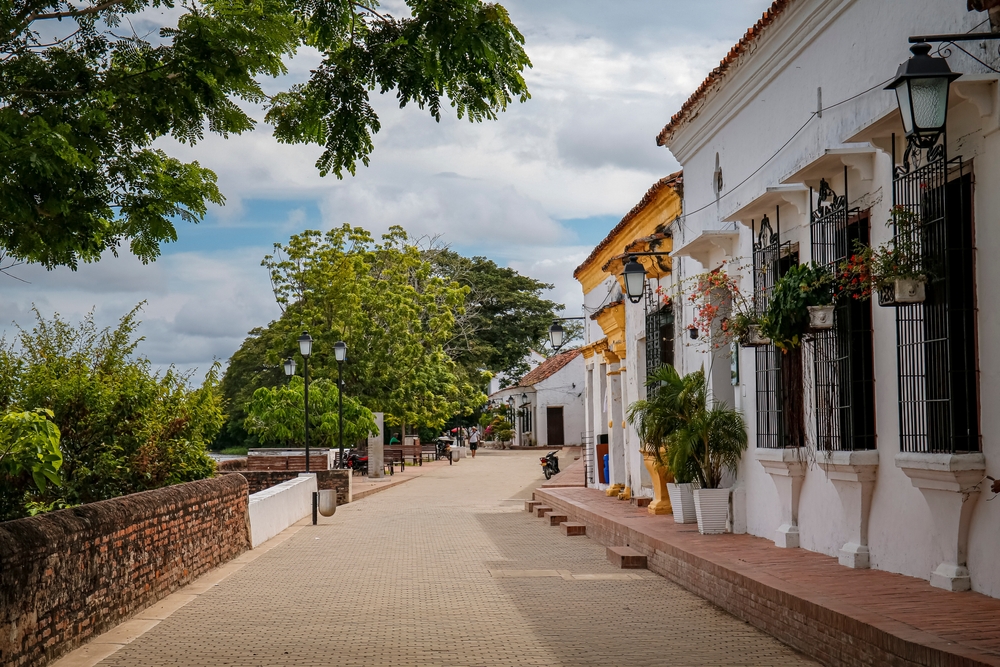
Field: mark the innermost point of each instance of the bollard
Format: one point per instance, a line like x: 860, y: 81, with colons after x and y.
x: 315, y: 505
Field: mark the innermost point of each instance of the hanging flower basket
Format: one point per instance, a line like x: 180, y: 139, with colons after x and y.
x: 821, y: 317
x: 903, y: 292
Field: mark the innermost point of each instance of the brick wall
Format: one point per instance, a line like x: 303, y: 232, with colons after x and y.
x: 232, y: 464
x: 258, y: 480
x: 67, y: 576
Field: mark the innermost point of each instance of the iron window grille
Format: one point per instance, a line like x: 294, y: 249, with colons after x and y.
x: 526, y: 420
x: 769, y: 255
x: 842, y: 356
x: 936, y: 340
x: 659, y: 333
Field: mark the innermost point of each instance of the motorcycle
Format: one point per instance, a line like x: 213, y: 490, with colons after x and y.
x: 358, y: 464
x: 550, y: 465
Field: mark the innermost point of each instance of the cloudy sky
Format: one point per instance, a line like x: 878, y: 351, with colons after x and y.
x: 534, y: 190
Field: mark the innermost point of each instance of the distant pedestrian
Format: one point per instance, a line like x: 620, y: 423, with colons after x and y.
x: 394, y: 440
x: 474, y: 441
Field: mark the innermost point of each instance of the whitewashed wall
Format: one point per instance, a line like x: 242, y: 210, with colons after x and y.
x: 278, y: 507
x: 846, y: 47
x: 565, y: 389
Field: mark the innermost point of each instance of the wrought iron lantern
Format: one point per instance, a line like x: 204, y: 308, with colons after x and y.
x: 305, y: 344
x: 556, y: 336
x: 921, y: 86
x: 635, y: 279
x: 340, y: 351
x: 289, y: 367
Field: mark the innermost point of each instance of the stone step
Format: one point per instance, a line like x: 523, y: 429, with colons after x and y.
x: 555, y: 518
x: 626, y: 558
x: 541, y: 510
x: 530, y: 505
x: 571, y: 528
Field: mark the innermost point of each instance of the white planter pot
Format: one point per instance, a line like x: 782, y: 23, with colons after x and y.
x: 909, y: 290
x: 821, y: 317
x: 754, y: 338
x: 712, y: 509
x: 682, y: 502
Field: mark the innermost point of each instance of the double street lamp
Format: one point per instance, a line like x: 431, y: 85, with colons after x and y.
x: 305, y: 349
x: 340, y: 354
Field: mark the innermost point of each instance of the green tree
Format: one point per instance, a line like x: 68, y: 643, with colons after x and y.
x: 123, y: 427
x: 277, y: 415
x: 384, y: 300
x: 83, y: 97
x: 505, y: 316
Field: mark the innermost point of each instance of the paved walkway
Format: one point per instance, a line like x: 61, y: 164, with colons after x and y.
x: 444, y: 570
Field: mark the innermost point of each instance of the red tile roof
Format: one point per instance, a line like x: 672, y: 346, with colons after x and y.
x: 717, y: 74
x: 548, y: 368
x: 674, y: 181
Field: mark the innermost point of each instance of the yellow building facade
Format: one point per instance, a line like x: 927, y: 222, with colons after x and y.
x: 622, y: 339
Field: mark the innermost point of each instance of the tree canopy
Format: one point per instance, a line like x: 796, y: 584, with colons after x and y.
x: 425, y: 327
x: 86, y: 88
x: 505, y: 316
x: 277, y: 415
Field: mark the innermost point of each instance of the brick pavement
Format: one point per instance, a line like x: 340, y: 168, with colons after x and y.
x: 445, y: 570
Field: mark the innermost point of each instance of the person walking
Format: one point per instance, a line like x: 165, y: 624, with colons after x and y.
x: 474, y: 441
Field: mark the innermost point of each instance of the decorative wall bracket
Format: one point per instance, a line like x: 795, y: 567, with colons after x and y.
x: 853, y: 476
x: 787, y: 467
x: 950, y: 484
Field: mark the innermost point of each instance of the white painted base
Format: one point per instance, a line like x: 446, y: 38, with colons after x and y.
x: 951, y: 577
x: 787, y: 537
x: 854, y: 555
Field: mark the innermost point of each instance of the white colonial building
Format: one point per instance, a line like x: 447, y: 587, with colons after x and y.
x: 873, y: 441
x: 548, y: 402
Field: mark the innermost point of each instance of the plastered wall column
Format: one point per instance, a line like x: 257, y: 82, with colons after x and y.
x: 616, y: 434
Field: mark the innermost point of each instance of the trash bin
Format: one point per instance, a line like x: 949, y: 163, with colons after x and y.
x: 327, y: 502
x: 607, y: 477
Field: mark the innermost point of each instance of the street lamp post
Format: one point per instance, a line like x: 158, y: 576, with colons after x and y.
x: 340, y: 354
x: 513, y: 416
x: 305, y: 349
x: 557, y: 335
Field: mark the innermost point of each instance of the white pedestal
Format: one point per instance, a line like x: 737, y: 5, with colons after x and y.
x: 950, y: 484
x: 787, y: 467
x: 853, y: 475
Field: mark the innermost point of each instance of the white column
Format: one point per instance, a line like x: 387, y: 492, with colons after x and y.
x: 616, y: 434
x: 376, y: 457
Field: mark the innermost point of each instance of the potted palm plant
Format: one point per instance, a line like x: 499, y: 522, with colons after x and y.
x: 655, y: 419
x: 708, y: 441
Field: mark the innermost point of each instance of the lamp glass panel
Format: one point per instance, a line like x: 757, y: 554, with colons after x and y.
x: 289, y: 367
x: 905, y: 109
x: 305, y: 345
x: 556, y: 336
x: 635, y: 281
x: 340, y: 350
x: 930, y: 103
